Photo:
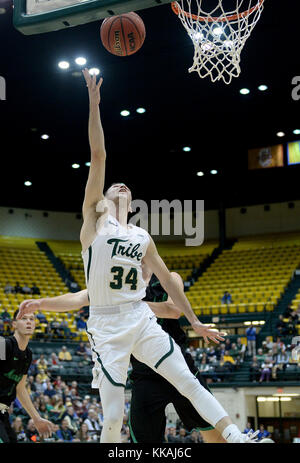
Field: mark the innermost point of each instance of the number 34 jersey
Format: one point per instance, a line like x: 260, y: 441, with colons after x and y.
x: 113, y: 264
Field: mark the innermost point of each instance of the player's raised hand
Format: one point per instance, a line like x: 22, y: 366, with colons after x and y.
x: 93, y: 86
x: 28, y: 306
x: 207, y: 332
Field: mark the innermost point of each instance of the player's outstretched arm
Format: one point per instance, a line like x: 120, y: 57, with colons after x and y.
x: 95, y: 183
x: 64, y: 303
x: 159, y: 268
x: 44, y: 427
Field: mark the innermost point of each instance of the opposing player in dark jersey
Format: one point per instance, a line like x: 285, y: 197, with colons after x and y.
x: 15, y: 360
x: 151, y: 393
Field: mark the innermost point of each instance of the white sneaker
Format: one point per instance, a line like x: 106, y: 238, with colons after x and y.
x: 249, y: 438
x: 266, y: 440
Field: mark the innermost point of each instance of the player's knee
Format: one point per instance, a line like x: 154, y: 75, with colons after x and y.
x: 113, y: 421
x: 189, y: 385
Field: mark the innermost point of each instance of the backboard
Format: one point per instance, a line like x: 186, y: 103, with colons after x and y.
x: 39, y: 16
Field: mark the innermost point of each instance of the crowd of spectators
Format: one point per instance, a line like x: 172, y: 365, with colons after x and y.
x: 25, y: 289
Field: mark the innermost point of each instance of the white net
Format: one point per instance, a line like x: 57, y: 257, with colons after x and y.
x: 218, y: 35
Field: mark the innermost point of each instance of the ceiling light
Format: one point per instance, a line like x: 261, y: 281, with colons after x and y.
x: 200, y: 174
x: 2, y: 10
x: 213, y: 172
x: 27, y: 183
x: 296, y: 131
x: 261, y: 399
x: 141, y: 110
x: 285, y: 399
x: 88, y: 164
x: 218, y: 31
x: 263, y: 88
x: 94, y: 71
x: 125, y: 113
x: 63, y: 65
x: 45, y: 136
x: 75, y: 166
x: 280, y: 134
x: 186, y: 149
x: 197, y: 36
x: 228, y: 43
x: 80, y: 61
x: 244, y: 91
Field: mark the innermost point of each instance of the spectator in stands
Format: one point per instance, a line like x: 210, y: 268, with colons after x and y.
x: 255, y: 370
x: 263, y: 432
x: 181, y: 436
x: 288, y: 311
x: 92, y: 422
x: 80, y: 324
x: 43, y: 411
x: 18, y: 427
x: 291, y: 327
x: 227, y: 361
x: 5, y: 315
x: 18, y: 288
x: 211, y: 355
x: 247, y: 428
x: 32, y: 434
x: 83, y: 434
x: 64, y: 434
x: 55, y: 330
x: 30, y: 386
x: 42, y: 363
x: 72, y: 418
x: 227, y: 344
x: 81, y: 350
x: 280, y: 362
x: 64, y: 354
x: 59, y: 408
x: 194, y: 437
x: 260, y: 355
x: 49, y: 391
x: 35, y: 289
x: 38, y: 385
x: 43, y: 377
x: 227, y: 298
x: 9, y: 289
x: 26, y: 289
x: 241, y: 348
x: 171, y: 434
x: 54, y: 363
x: 235, y: 353
x: 281, y: 327
x: 41, y: 317
x: 269, y: 342
x: 64, y: 329
x: 280, y: 344
x: 266, y: 370
x: 251, y: 340
x: 204, y: 366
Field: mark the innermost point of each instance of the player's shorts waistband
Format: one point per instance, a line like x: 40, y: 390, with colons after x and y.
x: 113, y: 309
x: 3, y: 408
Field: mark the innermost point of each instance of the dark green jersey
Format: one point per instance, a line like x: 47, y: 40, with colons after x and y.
x: 12, y: 369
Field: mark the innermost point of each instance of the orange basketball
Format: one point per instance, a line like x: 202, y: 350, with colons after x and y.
x: 124, y: 34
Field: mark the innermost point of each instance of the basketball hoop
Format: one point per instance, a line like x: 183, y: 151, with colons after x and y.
x: 218, y: 36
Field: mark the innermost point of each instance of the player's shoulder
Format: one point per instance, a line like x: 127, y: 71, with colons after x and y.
x: 139, y: 231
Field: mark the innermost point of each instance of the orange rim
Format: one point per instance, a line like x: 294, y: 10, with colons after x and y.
x: 233, y: 17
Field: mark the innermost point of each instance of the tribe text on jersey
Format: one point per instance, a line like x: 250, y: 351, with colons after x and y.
x: 113, y: 264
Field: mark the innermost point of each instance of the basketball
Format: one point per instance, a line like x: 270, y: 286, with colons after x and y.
x: 124, y: 34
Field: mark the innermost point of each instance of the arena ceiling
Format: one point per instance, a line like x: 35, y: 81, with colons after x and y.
x: 145, y: 150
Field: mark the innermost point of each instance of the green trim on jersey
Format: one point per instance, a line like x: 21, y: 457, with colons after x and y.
x: 131, y: 430
x: 167, y: 354
x: 89, y: 263
x: 102, y: 366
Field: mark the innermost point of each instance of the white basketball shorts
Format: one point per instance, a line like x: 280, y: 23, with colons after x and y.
x: 119, y: 331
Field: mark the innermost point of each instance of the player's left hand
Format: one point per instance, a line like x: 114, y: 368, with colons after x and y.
x: 44, y: 427
x: 93, y: 86
x: 208, y: 333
